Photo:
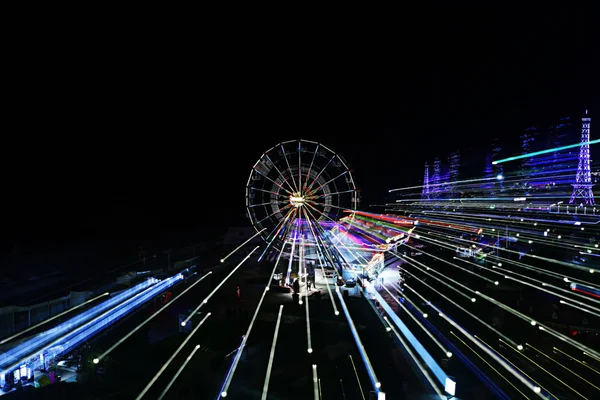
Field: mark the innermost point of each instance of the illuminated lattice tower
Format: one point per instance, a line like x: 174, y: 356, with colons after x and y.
x: 434, y: 192
x: 425, y: 191
x: 453, y: 171
x: 582, y: 188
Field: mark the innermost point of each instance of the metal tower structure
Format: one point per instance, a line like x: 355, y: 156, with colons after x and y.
x: 425, y: 192
x: 582, y: 188
x: 436, y: 178
x: 453, y: 172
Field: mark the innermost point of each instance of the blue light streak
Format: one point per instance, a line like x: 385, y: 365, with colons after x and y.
x: 46, y: 337
x: 361, y: 348
x: 30, y: 352
x: 427, y: 358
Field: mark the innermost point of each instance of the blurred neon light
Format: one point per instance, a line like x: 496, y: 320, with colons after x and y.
x: 73, y: 337
x: 53, y: 318
x: 425, y: 356
x: 359, y: 345
x: 114, y: 346
x: 537, y: 153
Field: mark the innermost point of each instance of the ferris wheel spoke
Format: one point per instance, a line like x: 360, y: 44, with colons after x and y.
x: 272, y: 239
x: 266, y: 177
x: 324, y: 215
x: 280, y: 224
x: 267, y: 191
x: 300, y: 164
x: 310, y: 225
x: 289, y: 167
x: 308, y: 189
x: 320, y: 212
x: 266, y: 204
x: 311, y: 164
x: 272, y: 214
x: 329, y: 194
x: 331, y: 180
x: 323, y: 248
x: 331, y: 205
x: 280, y: 173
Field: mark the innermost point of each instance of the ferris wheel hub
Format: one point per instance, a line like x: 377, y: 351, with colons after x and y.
x: 297, y: 199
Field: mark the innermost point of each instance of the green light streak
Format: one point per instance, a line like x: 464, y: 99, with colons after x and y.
x: 537, y: 153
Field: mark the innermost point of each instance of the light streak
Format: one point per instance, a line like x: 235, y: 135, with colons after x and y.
x: 437, y: 342
x: 582, y: 363
x: 8, y: 339
x: 320, y: 258
x: 424, y: 371
x: 289, y: 270
x: 361, y: 348
x: 240, y: 351
x: 429, y: 361
x: 510, y: 363
x: 185, y: 321
x: 562, y: 366
x: 265, y: 390
x: 309, y: 348
x: 591, y: 356
x: 412, y: 262
x: 241, y: 245
x: 500, y: 361
x: 444, y: 184
x: 174, y: 378
x: 489, y: 365
x: 543, y: 369
x: 568, y: 340
x: 537, y: 153
x: 137, y: 328
x: 490, y: 327
x: 76, y: 336
x: 357, y: 378
x: 315, y: 382
x: 449, y: 263
x: 320, y: 391
x: 166, y: 364
x: 62, y: 329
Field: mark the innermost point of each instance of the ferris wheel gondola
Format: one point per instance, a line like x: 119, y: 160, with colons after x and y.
x: 298, y: 188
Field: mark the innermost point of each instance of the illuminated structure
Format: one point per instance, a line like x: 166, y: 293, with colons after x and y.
x: 296, y: 192
x: 453, y: 172
x: 425, y: 191
x: 563, y: 163
x: 434, y: 193
x: 492, y: 171
x: 582, y: 188
x: 527, y: 165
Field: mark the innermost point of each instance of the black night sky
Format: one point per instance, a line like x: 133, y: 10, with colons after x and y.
x: 111, y: 142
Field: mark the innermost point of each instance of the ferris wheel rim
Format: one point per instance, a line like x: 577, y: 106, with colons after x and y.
x: 289, y: 186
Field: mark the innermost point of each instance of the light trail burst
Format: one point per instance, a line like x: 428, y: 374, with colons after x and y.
x: 475, y: 270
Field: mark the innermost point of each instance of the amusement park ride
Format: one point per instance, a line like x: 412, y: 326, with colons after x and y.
x: 302, y: 199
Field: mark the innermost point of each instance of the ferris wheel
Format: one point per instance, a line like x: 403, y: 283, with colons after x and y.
x: 298, y: 187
